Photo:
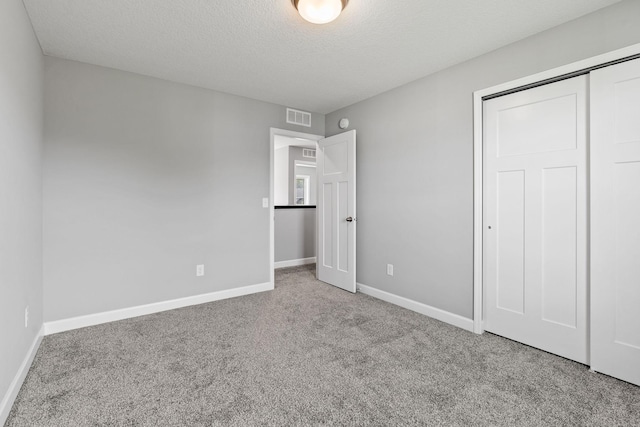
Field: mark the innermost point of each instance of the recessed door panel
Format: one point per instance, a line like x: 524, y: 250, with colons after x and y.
x: 327, y: 225
x: 537, y: 126
x: 627, y: 105
x: 627, y: 257
x: 343, y: 226
x: 510, y: 235
x: 559, y: 245
x: 336, y: 159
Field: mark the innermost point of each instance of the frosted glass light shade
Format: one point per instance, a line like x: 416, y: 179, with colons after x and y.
x: 319, y: 11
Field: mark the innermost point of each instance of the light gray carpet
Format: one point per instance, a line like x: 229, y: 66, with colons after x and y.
x: 307, y: 354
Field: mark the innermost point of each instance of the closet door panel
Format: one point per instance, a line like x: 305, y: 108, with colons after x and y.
x: 615, y: 221
x: 535, y: 231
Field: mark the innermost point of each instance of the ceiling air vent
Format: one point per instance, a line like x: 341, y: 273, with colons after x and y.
x: 308, y: 152
x: 297, y: 117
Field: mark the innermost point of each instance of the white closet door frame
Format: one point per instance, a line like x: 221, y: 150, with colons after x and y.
x: 478, y: 172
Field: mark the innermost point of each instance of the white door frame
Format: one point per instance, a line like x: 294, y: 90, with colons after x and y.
x: 478, y: 185
x: 272, y: 241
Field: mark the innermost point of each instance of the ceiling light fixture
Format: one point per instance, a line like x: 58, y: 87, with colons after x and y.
x: 319, y: 11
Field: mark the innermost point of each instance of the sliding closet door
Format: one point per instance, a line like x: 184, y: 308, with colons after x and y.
x: 615, y: 221
x: 535, y: 226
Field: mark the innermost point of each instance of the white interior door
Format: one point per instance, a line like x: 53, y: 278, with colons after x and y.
x: 615, y: 221
x: 535, y: 219
x: 336, y: 210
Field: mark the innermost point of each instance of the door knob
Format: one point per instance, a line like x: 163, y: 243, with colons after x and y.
x: 349, y: 219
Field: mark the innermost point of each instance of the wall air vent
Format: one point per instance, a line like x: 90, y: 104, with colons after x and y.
x: 297, y: 117
x: 307, y: 152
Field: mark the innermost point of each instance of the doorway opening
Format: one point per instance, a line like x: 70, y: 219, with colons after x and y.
x: 293, y: 184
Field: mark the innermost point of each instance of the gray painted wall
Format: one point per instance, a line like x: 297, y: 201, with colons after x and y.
x: 144, y: 179
x: 21, y: 76
x: 295, y: 234
x: 415, y: 159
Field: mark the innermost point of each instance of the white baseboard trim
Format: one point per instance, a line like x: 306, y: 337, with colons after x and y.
x: 418, y: 307
x: 141, y: 310
x: 14, y: 387
x: 295, y: 262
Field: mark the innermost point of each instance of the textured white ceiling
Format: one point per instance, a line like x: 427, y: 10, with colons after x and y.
x: 262, y: 49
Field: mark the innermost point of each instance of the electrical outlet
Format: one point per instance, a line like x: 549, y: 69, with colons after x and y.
x: 200, y: 270
x: 389, y: 269
x: 265, y: 202
x: 26, y: 317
